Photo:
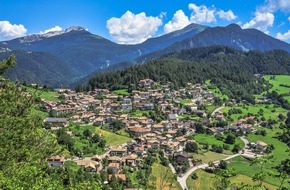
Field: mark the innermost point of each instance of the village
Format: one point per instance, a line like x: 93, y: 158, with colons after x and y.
x: 166, y: 121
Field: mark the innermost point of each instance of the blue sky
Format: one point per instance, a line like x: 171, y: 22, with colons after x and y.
x: 133, y: 21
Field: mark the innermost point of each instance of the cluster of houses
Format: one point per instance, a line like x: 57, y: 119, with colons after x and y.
x: 130, y: 154
x: 245, y: 125
x: 101, y: 107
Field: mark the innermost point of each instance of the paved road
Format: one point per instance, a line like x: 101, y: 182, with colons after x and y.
x: 172, y: 168
x: 218, y: 109
x: 246, y: 142
x: 182, y: 180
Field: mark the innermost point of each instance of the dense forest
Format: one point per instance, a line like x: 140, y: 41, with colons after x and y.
x: 230, y: 70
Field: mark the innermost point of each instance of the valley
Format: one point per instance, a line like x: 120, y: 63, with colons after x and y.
x: 176, y: 127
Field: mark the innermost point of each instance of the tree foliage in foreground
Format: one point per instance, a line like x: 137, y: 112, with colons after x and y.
x: 25, y: 145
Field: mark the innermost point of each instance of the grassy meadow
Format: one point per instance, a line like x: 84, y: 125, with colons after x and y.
x: 277, y: 81
x: 165, y: 179
x: 207, y: 181
x: 112, y: 139
x: 269, y: 111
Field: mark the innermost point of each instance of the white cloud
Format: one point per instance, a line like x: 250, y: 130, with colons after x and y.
x: 284, y: 5
x: 229, y: 15
x: 274, y: 5
x: 179, y: 21
x: 285, y: 36
x: 53, y: 29
x: 264, y: 15
x: 202, y: 14
x: 133, y: 28
x: 261, y: 21
x: 9, y: 31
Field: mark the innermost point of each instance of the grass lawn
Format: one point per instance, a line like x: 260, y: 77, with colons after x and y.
x: 254, y: 109
x: 287, y: 98
x: 242, y: 165
x: 123, y: 92
x: 112, y: 139
x: 138, y: 113
x: 84, y: 145
x: 79, y: 129
x: 124, y: 133
x: 206, y: 181
x: 165, y: 179
x: 247, y: 180
x: 185, y: 101
x: 210, y: 139
x: 280, y: 148
x: 210, y: 108
x: 50, y: 96
x: 209, y: 156
x: 279, y: 79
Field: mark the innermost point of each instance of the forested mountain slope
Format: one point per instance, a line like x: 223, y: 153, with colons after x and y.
x: 231, y: 70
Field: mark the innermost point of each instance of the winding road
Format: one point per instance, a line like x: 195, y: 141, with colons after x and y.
x: 218, y: 109
x: 182, y: 180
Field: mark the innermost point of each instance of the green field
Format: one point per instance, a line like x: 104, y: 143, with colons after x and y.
x: 47, y: 95
x: 210, y: 108
x: 209, y: 156
x: 269, y: 112
x: 247, y: 180
x: 81, y: 144
x: 279, y: 79
x: 123, y: 92
x: 287, y: 98
x: 112, y: 139
x: 123, y: 132
x: 280, y: 151
x: 165, y: 179
x: 185, y: 101
x: 210, y: 139
x: 242, y: 165
x: 206, y: 181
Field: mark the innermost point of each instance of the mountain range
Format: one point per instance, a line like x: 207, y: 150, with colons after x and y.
x: 66, y: 57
